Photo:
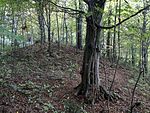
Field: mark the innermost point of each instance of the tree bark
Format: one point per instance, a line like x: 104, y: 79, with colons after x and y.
x: 41, y: 21
x: 114, y: 38
x: 108, y: 48
x: 144, y: 50
x: 48, y: 15
x: 57, y: 24
x: 71, y: 36
x: 90, y: 83
x: 66, y: 28
x: 133, y: 54
x: 79, y: 27
x: 119, y: 19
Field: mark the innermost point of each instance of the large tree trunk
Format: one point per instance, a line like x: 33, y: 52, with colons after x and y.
x: 90, y: 84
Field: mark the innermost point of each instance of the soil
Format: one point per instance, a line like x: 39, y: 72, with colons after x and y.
x: 32, y: 81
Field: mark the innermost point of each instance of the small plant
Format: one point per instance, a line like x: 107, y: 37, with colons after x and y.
x: 72, y: 69
x: 49, y: 107
x: 72, y: 107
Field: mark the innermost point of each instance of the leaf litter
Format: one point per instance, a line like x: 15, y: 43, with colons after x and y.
x: 33, y: 82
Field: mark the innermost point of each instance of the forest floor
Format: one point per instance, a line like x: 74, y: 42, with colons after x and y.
x: 31, y: 81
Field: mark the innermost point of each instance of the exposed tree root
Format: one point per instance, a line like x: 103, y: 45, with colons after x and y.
x: 93, y: 95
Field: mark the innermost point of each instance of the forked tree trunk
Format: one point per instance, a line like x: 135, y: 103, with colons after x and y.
x: 90, y: 84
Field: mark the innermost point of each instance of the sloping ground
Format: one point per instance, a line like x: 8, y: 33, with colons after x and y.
x: 33, y: 82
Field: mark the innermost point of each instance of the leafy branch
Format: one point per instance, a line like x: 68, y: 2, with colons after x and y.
x: 67, y: 8
x: 110, y: 27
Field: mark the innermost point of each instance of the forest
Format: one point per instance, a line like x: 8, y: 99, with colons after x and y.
x: 74, y: 56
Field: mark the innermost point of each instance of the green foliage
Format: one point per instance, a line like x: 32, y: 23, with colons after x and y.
x: 49, y: 107
x: 5, y: 32
x: 71, y: 69
x: 72, y: 107
x: 88, y: 14
x: 143, y: 85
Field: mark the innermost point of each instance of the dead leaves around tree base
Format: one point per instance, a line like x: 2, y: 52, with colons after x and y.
x: 93, y: 95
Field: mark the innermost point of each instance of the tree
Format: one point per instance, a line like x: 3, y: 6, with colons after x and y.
x: 90, y: 84
x: 114, y: 36
x: 108, y: 52
x: 48, y: 18
x: 40, y: 11
x: 79, y: 26
x: 57, y: 24
x: 144, y: 48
